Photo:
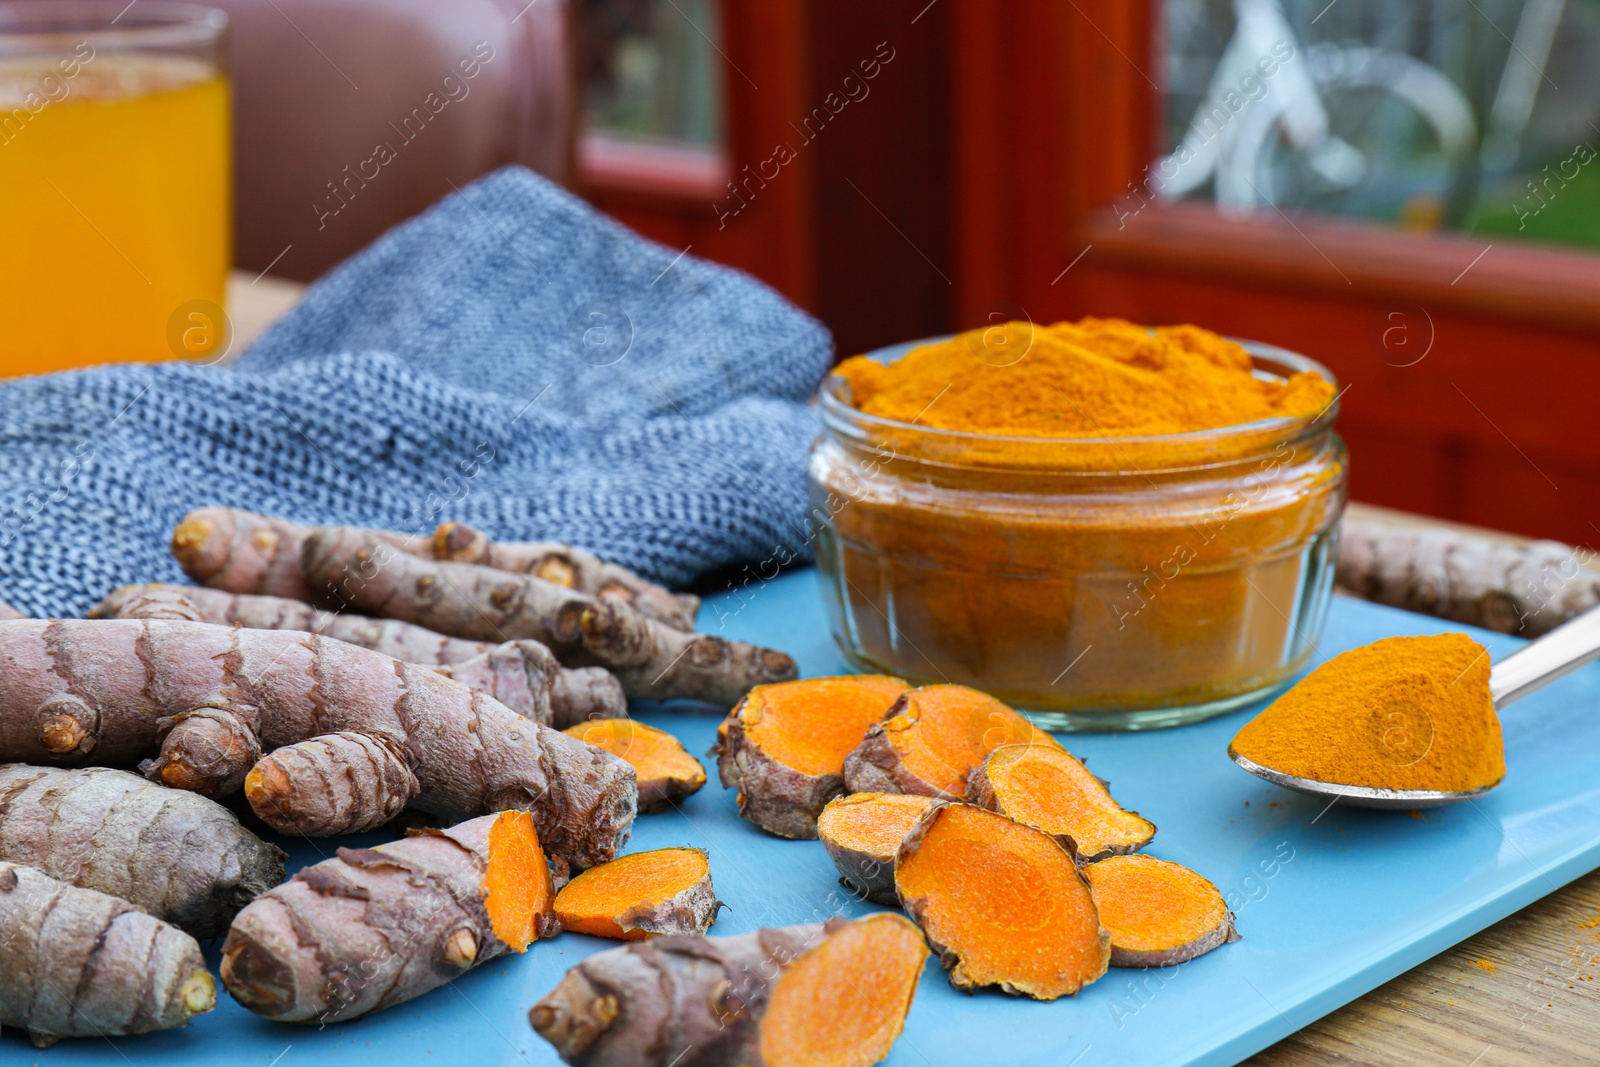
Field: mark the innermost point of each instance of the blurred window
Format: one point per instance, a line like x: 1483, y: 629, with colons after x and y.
x: 652, y: 71
x: 1480, y: 116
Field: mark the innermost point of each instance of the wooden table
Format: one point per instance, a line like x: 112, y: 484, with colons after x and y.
x: 256, y: 301
x: 1525, y: 992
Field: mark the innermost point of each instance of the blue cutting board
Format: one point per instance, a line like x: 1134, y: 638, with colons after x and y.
x: 1330, y: 903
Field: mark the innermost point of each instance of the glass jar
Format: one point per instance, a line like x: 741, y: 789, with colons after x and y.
x: 116, y: 176
x: 1122, y: 583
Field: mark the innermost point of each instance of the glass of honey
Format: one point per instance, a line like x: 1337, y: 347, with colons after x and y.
x: 115, y: 183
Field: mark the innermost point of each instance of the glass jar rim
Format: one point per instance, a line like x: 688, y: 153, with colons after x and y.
x: 33, y: 27
x: 1207, y: 448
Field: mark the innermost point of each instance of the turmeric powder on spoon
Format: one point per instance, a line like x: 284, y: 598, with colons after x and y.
x: 1401, y: 713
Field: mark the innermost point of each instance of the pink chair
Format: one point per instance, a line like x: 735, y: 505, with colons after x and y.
x: 351, y: 115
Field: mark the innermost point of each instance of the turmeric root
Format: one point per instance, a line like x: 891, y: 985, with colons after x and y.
x: 643, y: 894
x: 243, y: 552
x: 568, y: 566
x: 834, y: 995
x: 526, y: 677
x: 652, y: 661
x: 344, y: 783
x: 413, y: 644
x: 523, y: 675
x: 784, y: 746
x: 862, y: 832
x: 1159, y: 913
x: 374, y: 927
x: 177, y: 856
x: 1046, y: 787
x: 665, y: 771
x: 80, y: 963
x: 1001, y: 903
x: 1525, y: 589
x: 932, y: 739
x: 206, y: 701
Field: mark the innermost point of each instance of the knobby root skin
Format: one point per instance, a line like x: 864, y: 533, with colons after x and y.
x: 1158, y: 913
x: 1454, y: 574
x: 652, y: 661
x: 1046, y: 787
x: 352, y: 568
x: 1002, y: 904
x: 156, y: 600
x: 348, y: 782
x: 933, y: 739
x: 80, y: 963
x: 572, y: 567
x: 401, y: 640
x: 583, y: 694
x: 174, y: 855
x: 243, y: 552
x: 862, y: 832
x: 758, y: 999
x: 371, y: 928
x: 526, y: 677
x: 665, y: 770
x: 210, y: 699
x: 7, y: 612
x: 640, y: 895
x: 783, y: 747
x: 523, y: 675
x: 655, y: 662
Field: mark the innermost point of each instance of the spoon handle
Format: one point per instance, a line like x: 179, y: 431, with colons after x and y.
x: 1559, y: 652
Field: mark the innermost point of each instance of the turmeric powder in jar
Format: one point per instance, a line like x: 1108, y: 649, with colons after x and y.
x: 1110, y: 526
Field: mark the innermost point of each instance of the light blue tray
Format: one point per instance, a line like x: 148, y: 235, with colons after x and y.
x: 1330, y: 903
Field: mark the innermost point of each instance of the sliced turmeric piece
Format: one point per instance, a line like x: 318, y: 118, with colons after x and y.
x: 843, y: 1003
x: 1044, y: 786
x: 667, y: 891
x: 932, y: 740
x: 817, y: 995
x: 664, y: 767
x: 518, y: 892
x: 862, y: 832
x: 1159, y: 913
x: 323, y: 947
x: 1003, y: 904
x: 784, y: 745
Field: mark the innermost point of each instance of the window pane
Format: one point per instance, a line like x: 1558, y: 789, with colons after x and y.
x: 1467, y: 115
x: 652, y: 71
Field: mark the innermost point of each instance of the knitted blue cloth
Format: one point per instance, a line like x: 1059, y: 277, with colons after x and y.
x: 510, y: 358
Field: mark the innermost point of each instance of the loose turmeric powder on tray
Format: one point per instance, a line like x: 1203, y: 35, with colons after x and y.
x: 1113, y: 525
x: 1401, y: 713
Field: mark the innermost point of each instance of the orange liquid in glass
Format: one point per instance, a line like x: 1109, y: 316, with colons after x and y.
x: 115, y: 209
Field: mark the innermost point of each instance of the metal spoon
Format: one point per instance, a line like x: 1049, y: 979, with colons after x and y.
x: 1537, y: 664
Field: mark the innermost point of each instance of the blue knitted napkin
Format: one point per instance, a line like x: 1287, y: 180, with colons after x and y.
x: 511, y: 358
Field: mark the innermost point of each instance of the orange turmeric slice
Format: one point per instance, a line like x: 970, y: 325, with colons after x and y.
x: 518, y: 892
x: 411, y: 914
x: 844, y: 1001
x: 1003, y: 904
x: 831, y: 994
x: 783, y: 747
x: 665, y: 770
x: 1045, y: 787
x: 1159, y: 913
x: 667, y: 891
x: 932, y: 740
x: 862, y: 832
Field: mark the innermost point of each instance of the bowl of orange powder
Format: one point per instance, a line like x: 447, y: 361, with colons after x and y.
x: 1106, y: 525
